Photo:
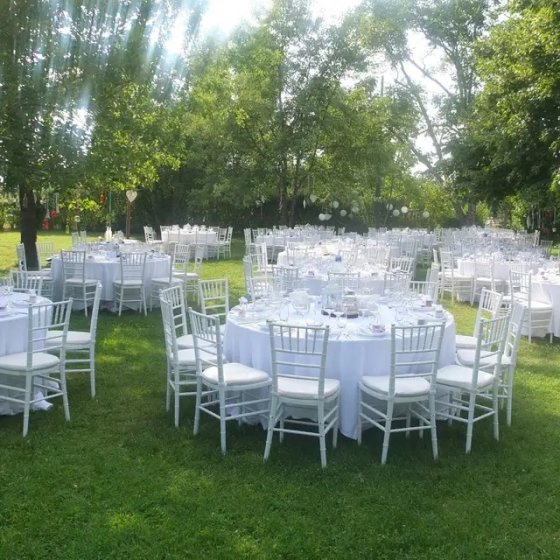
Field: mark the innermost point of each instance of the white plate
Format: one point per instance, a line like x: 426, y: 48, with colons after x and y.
x: 364, y: 331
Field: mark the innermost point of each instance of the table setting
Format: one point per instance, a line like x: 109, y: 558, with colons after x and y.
x: 360, y: 335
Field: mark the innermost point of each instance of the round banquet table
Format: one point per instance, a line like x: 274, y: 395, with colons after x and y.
x: 107, y: 270
x: 13, y: 339
x: 351, y: 353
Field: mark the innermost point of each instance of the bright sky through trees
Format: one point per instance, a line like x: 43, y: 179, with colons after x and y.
x: 223, y: 15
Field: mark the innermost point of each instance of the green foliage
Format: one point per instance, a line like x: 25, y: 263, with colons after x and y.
x: 516, y: 121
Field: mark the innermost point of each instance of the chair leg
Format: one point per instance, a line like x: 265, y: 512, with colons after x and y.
x: 64, y: 395
x: 176, y: 401
x: 222, y: 399
x: 270, y: 429
x: 433, y: 427
x: 360, y: 418
x: 28, y: 387
x: 92, y: 371
x: 387, y: 435
x: 85, y: 302
x: 470, y: 422
x: 168, y: 391
x: 496, y: 415
x: 197, y: 406
x: 335, y: 427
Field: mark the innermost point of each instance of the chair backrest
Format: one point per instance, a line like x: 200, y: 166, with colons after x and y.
x: 520, y: 285
x: 207, y: 342
x: 181, y: 258
x: 490, y: 344
x: 198, y: 259
x: 298, y: 352
x: 415, y: 353
x: 214, y: 297
x: 22, y: 280
x: 489, y: 306
x: 396, y: 281
x: 149, y: 234
x: 514, y: 331
x: 47, y: 316
x: 45, y: 249
x: 286, y: 277
x: 133, y: 266
x: 447, y: 261
x: 259, y: 262
x: 169, y: 330
x: 401, y: 264
x: 260, y: 287
x: 73, y: 264
x: 427, y: 289
x: 22, y: 260
x: 175, y: 298
x: 95, y: 312
x: 6, y: 282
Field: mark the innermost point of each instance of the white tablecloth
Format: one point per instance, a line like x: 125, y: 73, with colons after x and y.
x: 13, y: 339
x: 107, y: 270
x: 189, y: 237
x: 548, y: 290
x: 348, y: 359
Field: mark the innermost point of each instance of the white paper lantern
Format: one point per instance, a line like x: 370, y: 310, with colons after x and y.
x: 404, y: 209
x: 313, y: 198
x: 327, y: 217
x: 396, y: 213
x: 355, y: 209
x: 335, y: 204
x: 425, y: 214
x: 343, y: 213
x: 389, y: 206
x: 322, y: 217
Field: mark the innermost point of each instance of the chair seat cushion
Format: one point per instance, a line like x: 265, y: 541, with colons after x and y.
x: 129, y: 282
x: 236, y: 374
x: 191, y: 276
x: 73, y: 338
x: 461, y: 377
x: 18, y: 362
x: 164, y: 281
x: 305, y: 388
x: 466, y: 358
x: 187, y: 341
x: 80, y: 282
x: 404, y: 386
x: 465, y: 341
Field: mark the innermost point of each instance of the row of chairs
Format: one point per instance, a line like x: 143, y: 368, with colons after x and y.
x: 233, y: 391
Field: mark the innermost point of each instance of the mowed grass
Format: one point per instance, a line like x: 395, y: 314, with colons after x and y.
x: 119, y: 480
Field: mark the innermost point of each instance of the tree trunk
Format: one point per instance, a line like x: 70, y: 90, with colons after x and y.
x: 28, y: 209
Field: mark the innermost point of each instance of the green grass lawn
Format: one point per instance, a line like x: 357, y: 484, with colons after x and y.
x: 119, y: 480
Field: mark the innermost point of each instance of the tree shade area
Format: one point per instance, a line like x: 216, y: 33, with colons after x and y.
x: 449, y: 109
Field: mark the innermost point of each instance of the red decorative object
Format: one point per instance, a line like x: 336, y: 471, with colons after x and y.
x: 53, y: 214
